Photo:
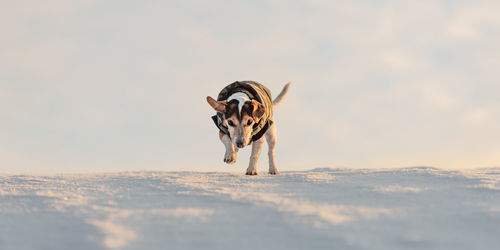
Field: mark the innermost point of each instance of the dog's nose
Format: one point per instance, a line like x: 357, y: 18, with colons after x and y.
x: 239, y: 144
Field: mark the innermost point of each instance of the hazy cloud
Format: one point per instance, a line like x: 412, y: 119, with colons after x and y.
x: 90, y: 85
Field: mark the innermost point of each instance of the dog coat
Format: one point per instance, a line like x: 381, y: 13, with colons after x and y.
x: 255, y: 91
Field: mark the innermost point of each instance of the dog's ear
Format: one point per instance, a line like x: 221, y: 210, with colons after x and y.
x: 219, y: 106
x: 258, y: 109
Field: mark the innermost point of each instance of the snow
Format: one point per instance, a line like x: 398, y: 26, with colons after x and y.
x: 406, y: 208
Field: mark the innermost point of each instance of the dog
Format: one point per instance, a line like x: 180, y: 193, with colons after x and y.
x: 245, y: 116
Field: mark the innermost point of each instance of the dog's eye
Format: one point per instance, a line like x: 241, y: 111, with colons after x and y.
x: 231, y: 123
x: 249, y: 122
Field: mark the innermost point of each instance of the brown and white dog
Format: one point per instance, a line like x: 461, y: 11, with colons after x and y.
x: 244, y: 116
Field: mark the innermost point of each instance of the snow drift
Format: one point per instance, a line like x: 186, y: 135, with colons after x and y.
x: 408, y: 208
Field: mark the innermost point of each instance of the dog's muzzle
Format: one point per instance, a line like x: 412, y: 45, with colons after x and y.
x: 240, y: 144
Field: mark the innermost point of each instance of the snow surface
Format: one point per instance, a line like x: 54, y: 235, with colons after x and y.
x: 408, y: 208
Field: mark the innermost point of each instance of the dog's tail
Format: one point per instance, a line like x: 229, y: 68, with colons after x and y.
x: 280, y: 97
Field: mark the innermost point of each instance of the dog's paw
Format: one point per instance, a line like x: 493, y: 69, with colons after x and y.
x: 251, y: 172
x: 230, y: 158
x: 273, y: 171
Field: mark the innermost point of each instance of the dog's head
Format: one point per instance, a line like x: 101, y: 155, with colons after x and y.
x: 240, y: 114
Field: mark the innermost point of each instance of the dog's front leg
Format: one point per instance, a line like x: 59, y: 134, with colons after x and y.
x: 254, y: 158
x: 231, y: 154
x: 271, y: 143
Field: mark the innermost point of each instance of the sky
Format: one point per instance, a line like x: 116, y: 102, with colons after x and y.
x: 89, y: 85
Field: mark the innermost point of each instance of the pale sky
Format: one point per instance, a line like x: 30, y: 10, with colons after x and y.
x: 114, y: 85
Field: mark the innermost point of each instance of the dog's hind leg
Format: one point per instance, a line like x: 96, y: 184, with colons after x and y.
x: 271, y: 139
x: 254, y: 158
x: 231, y: 154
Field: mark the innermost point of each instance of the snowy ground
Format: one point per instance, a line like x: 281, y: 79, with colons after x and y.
x: 409, y: 208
